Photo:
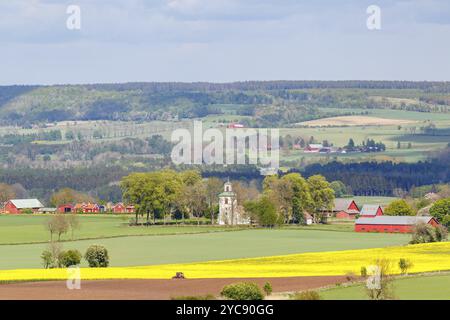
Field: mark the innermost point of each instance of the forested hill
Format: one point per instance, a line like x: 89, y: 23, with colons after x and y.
x: 264, y: 103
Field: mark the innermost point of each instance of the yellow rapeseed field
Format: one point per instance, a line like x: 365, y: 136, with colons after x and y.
x: 425, y: 258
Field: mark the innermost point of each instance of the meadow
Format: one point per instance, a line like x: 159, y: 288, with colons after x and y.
x: 425, y: 257
x: 432, y: 287
x: 185, y: 248
x: 422, y: 145
x: 19, y: 229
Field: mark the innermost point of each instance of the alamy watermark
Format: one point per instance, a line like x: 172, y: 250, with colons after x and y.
x: 374, y: 20
x: 237, y: 146
x: 73, y: 278
x: 73, y: 22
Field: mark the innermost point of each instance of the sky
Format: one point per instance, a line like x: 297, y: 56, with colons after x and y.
x: 222, y: 41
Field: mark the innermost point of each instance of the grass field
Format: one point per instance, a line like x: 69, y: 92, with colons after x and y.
x: 163, y: 249
x: 421, y: 145
x: 384, y: 201
x: 15, y: 229
x: 425, y: 257
x: 436, y: 287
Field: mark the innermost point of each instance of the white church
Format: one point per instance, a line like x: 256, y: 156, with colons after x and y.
x: 229, y: 211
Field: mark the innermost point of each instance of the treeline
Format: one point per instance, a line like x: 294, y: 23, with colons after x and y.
x: 382, y: 178
x: 277, y: 85
x: 54, y: 135
x: 266, y: 103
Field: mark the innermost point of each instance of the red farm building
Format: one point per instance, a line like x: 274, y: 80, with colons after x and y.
x: 344, y: 209
x: 86, y: 208
x: 119, y: 208
x: 66, y: 208
x: 371, y: 211
x: 391, y: 224
x: 17, y: 206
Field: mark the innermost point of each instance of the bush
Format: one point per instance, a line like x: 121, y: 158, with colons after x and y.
x: 399, y: 208
x: 50, y: 256
x: 47, y: 259
x: 425, y: 233
x: 441, y: 233
x: 69, y: 258
x: 97, y: 256
x: 306, y: 295
x: 440, y: 209
x: 404, y: 265
x: 267, y: 288
x: 242, y: 291
x: 363, y: 272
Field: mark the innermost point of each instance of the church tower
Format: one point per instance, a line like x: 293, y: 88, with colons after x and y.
x: 228, y: 212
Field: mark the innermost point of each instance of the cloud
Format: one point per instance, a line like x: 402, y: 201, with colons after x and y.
x: 222, y: 40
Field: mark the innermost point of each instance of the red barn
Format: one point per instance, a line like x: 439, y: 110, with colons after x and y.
x: 391, y: 224
x: 371, y: 211
x: 129, y: 209
x: 91, y: 208
x: 86, y: 208
x: 17, y: 206
x: 344, y: 209
x: 66, y: 208
x: 119, y: 208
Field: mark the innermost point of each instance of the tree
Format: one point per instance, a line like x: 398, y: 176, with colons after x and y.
x: 6, y: 192
x: 153, y: 192
x: 351, y: 144
x: 97, y: 256
x: 68, y: 195
x: 69, y: 258
x: 50, y: 255
x: 290, y: 194
x: 399, y: 208
x: 404, y: 265
x: 322, y: 196
x: 57, y: 224
x: 74, y: 223
x: 440, y: 210
x: 213, y: 187
x: 263, y: 211
x: 339, y: 188
x: 195, y: 199
x: 267, y: 288
x: 425, y: 233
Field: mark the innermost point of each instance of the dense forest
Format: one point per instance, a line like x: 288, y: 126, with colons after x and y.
x: 383, y: 178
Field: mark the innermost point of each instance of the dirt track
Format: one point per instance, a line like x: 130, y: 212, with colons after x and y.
x: 148, y: 289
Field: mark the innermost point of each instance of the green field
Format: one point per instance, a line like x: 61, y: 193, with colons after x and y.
x: 17, y: 229
x: 383, y: 201
x: 150, y: 250
x: 421, y: 145
x: 411, y: 288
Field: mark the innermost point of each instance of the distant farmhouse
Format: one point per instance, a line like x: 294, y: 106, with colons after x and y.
x: 343, y: 209
x: 17, y: 206
x: 96, y: 208
x: 371, y: 211
x: 391, y: 224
